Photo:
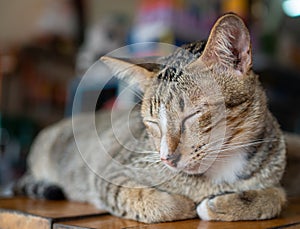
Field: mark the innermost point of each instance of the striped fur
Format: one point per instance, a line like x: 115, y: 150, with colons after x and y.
x: 204, y: 140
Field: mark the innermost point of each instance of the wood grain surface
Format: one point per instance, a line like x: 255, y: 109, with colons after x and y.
x: 24, y: 213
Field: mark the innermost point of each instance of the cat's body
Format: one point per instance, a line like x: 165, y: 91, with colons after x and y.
x: 204, y: 142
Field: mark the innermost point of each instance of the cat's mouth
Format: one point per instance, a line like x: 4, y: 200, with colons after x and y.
x: 190, y: 168
x: 170, y: 164
x: 195, y: 169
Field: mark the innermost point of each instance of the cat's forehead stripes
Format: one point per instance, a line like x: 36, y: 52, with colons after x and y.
x: 175, y: 63
x: 171, y: 96
x: 154, y: 104
x: 169, y: 77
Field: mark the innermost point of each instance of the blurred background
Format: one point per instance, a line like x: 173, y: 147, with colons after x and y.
x: 46, y: 46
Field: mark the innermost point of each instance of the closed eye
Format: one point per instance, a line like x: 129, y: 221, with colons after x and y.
x: 153, y: 127
x: 191, y: 118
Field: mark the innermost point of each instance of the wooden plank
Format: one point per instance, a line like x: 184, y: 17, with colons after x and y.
x: 290, y: 218
x: 106, y: 221
x: 38, y: 214
x: 49, y: 209
x: 18, y: 220
x: 21, y: 212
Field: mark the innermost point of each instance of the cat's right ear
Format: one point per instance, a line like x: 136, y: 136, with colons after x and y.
x: 229, y: 45
x: 131, y: 71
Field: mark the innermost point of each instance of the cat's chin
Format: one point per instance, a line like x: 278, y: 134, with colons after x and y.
x: 178, y: 170
x: 194, y: 171
x: 173, y: 169
x: 190, y: 170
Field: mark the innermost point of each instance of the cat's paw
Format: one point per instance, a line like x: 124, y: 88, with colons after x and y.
x: 172, y: 207
x: 247, y: 205
x: 220, y: 208
x: 159, y: 207
x: 204, y: 209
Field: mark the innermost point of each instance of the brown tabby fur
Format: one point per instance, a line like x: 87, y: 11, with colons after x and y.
x: 178, y: 173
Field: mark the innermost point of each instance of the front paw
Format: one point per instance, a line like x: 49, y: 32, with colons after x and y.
x: 205, y: 209
x: 247, y: 205
x: 221, y: 208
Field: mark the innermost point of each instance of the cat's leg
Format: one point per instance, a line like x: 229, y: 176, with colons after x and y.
x: 38, y: 189
x: 147, y: 205
x: 246, y: 205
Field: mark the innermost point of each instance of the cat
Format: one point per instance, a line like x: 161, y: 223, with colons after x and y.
x: 205, y: 142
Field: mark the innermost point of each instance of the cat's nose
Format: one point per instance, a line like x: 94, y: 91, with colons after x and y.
x: 171, y: 160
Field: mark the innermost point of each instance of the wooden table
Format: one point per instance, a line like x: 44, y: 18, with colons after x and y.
x: 24, y: 213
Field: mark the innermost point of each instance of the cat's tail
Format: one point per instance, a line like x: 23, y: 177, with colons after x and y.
x: 32, y: 188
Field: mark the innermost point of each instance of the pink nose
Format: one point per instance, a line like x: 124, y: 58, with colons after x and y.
x: 168, y: 162
x: 171, y: 159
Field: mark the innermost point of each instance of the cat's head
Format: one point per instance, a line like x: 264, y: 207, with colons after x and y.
x: 185, y: 104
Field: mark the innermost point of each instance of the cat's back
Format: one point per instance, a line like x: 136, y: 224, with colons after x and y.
x: 63, y: 145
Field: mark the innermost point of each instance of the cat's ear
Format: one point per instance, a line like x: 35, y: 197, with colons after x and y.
x: 133, y: 71
x: 229, y: 44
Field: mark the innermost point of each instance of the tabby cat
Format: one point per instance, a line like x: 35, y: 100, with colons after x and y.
x: 204, y: 141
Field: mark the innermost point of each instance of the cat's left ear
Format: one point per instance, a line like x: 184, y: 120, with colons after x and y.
x: 133, y: 71
x: 229, y: 44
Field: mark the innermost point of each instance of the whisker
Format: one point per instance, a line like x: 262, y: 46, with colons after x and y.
x: 232, y: 146
x: 235, y: 143
x: 217, y: 155
x: 142, y: 151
